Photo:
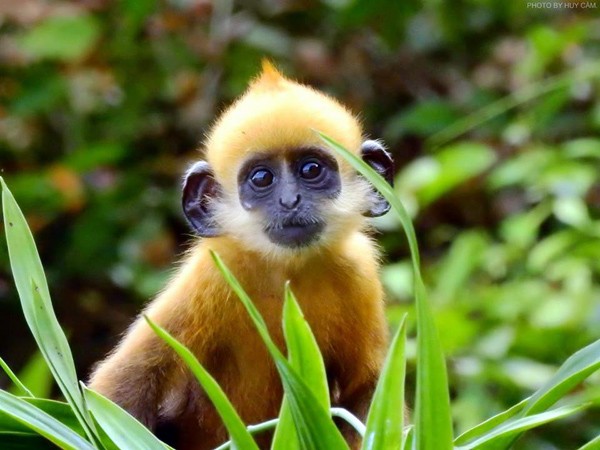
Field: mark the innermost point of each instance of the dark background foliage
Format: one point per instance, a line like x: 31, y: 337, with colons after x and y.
x: 490, y: 108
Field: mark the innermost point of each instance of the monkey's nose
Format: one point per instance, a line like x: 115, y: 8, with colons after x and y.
x: 289, y: 201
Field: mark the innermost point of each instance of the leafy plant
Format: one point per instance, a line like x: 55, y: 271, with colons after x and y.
x: 88, y: 420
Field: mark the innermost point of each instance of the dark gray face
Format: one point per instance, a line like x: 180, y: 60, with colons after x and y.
x: 289, y: 193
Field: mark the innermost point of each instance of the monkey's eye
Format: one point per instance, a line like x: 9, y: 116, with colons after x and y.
x: 311, y: 170
x: 262, y: 178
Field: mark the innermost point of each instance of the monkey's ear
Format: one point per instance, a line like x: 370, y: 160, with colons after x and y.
x: 374, y: 154
x: 199, y: 191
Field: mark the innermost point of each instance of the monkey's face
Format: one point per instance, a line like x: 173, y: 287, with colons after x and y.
x: 289, y: 194
x: 286, y: 200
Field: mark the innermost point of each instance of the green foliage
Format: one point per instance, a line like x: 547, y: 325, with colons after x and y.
x: 36, y: 376
x: 18, y: 383
x: 430, y: 178
x: 311, y: 426
x: 385, y: 423
x: 305, y: 358
x: 41, y: 422
x: 65, y: 38
x: 103, y: 105
x: 122, y: 429
x: 37, y: 307
x: 433, y: 421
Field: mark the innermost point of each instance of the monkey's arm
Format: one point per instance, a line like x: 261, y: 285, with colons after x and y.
x: 135, y: 374
x: 143, y: 371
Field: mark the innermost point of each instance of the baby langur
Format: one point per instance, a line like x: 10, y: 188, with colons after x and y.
x: 276, y: 204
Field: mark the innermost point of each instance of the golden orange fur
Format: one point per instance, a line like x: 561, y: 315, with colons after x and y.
x: 274, y: 114
x: 336, y: 284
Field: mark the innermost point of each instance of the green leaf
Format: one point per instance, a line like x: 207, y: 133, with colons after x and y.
x: 305, y: 357
x: 463, y: 258
x: 582, y: 148
x: 18, y: 384
x: 92, y: 156
x: 433, y: 420
x: 550, y: 249
x: 350, y: 419
x: 525, y: 94
x: 523, y: 169
x: 240, y: 437
x: 522, y: 229
x: 303, y: 351
x: 33, y: 292
x: 573, y: 371
x: 490, y: 424
x: 571, y: 210
x: 385, y: 421
x: 41, y: 422
x: 63, y: 38
x: 409, y: 438
x: 37, y: 376
x: 24, y: 441
x: 285, y: 436
x: 314, y: 425
x: 59, y: 410
x: 496, y: 438
x: 270, y: 424
x: 122, y: 428
x: 594, y: 444
x: 424, y: 118
x: 454, y: 165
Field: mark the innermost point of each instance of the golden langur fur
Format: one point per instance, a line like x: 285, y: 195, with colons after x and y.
x: 276, y: 205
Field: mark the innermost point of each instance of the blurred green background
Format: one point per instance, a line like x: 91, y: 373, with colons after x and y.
x: 490, y: 107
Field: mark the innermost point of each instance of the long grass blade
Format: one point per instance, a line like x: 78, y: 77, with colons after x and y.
x: 303, y: 351
x: 15, y: 379
x: 305, y: 357
x: 37, y: 307
x: 254, y: 429
x: 594, y: 444
x: 42, y: 423
x: 433, y: 420
x: 122, y: 428
x: 240, y: 437
x: 524, y: 95
x: 573, y: 371
x: 497, y: 437
x: 59, y: 410
x: 24, y: 441
x: 385, y: 421
x: 314, y: 425
x: 490, y: 424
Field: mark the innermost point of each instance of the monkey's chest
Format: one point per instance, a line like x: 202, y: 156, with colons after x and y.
x: 246, y: 370
x: 247, y: 374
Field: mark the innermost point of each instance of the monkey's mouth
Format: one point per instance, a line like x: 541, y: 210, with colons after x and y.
x: 294, y: 232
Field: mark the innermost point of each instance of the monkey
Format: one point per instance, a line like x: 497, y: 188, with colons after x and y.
x: 277, y: 205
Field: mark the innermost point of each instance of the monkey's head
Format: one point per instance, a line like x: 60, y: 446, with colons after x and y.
x: 269, y: 180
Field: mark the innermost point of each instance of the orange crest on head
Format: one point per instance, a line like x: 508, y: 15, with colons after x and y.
x: 270, y: 77
x: 273, y: 115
